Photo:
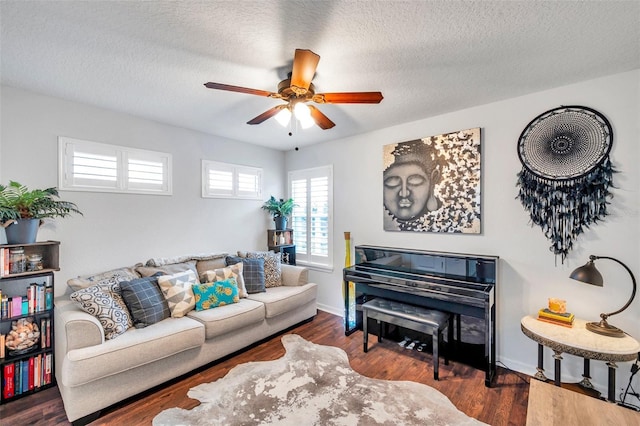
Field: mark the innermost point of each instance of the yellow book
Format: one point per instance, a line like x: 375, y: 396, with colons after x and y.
x: 562, y: 323
x: 565, y: 317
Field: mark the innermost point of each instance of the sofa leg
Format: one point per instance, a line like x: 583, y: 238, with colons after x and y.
x: 82, y: 421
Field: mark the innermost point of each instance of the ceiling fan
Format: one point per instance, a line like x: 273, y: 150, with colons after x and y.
x: 297, y: 90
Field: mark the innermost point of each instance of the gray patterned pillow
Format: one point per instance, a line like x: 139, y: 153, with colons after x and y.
x: 145, y: 301
x: 272, y: 266
x: 252, y: 273
x: 174, y: 268
x: 113, y: 276
x: 106, y: 304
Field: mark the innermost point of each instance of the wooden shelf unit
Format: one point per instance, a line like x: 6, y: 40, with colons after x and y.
x: 40, y: 360
x: 275, y: 238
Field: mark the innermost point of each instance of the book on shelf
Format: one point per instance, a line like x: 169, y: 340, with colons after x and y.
x: 552, y: 321
x: 565, y: 317
x: 25, y: 375
x: 31, y: 374
x: 8, y: 374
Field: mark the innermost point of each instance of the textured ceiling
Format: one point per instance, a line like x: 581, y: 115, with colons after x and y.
x: 151, y: 58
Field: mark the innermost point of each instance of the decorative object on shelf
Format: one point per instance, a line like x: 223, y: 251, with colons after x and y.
x: 17, y: 260
x: 279, y: 210
x: 589, y: 274
x: 433, y: 184
x: 566, y: 174
x: 22, y: 209
x: 23, y: 337
x: 34, y: 262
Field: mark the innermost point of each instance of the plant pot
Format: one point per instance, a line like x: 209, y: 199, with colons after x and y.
x: 281, y: 223
x: 23, y: 231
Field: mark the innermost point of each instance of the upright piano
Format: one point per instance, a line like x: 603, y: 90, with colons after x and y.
x: 461, y: 284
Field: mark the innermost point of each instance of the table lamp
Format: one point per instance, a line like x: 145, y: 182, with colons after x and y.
x: 590, y: 275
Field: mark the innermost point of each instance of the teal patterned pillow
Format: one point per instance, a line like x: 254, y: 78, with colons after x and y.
x: 219, y: 293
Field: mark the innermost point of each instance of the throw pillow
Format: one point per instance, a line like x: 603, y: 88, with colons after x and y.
x: 219, y: 293
x: 220, y: 274
x: 108, y: 277
x: 174, y: 268
x: 252, y: 273
x: 272, y: 266
x: 178, y: 293
x: 145, y: 301
x: 105, y: 303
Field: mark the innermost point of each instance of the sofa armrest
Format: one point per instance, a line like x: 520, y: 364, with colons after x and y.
x: 75, y: 328
x: 294, y: 275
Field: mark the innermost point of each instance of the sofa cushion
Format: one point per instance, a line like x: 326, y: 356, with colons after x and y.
x: 215, y: 294
x: 272, y: 266
x: 136, y: 347
x: 174, y: 268
x: 104, y: 301
x: 210, y: 265
x: 279, y: 300
x: 229, y: 318
x: 252, y: 272
x: 162, y: 261
x: 177, y: 289
x: 145, y: 301
x: 220, y: 274
x: 113, y: 276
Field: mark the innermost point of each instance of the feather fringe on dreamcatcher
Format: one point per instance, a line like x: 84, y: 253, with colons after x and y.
x: 566, y: 175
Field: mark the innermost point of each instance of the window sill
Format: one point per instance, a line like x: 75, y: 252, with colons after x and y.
x: 315, y: 266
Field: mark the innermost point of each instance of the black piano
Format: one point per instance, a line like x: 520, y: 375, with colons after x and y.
x: 462, y: 284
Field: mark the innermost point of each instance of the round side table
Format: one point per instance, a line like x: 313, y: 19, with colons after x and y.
x: 579, y: 341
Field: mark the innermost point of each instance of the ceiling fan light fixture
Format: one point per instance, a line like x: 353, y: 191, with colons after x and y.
x: 284, y: 116
x: 301, y: 111
x: 306, y: 122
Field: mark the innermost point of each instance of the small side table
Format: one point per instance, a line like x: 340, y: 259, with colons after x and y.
x: 581, y: 342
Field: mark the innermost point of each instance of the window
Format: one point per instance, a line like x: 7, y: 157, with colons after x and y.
x: 93, y: 166
x: 222, y: 180
x: 312, y: 191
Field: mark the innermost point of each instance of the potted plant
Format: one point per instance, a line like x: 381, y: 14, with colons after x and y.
x: 22, y: 209
x: 279, y: 210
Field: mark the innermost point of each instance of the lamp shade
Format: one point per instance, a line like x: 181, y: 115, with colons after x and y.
x: 588, y: 273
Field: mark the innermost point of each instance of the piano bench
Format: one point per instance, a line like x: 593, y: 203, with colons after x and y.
x: 415, y: 318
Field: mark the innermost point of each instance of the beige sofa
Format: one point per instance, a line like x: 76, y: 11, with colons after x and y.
x: 93, y: 373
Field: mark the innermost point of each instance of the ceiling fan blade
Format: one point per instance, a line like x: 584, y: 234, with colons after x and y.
x: 239, y: 89
x: 321, y: 120
x: 304, y: 68
x: 266, y: 115
x: 348, y: 98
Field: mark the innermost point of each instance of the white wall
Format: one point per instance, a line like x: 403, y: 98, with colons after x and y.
x: 122, y: 229
x: 119, y: 229
x: 529, y: 273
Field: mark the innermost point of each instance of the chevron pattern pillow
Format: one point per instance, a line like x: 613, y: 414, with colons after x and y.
x: 178, y: 292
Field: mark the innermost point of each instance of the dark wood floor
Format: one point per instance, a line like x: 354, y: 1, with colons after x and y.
x: 503, y: 404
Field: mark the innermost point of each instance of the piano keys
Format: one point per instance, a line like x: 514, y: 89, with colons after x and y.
x: 462, y: 284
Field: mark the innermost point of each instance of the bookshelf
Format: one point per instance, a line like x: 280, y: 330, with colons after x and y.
x: 281, y: 241
x: 27, y: 306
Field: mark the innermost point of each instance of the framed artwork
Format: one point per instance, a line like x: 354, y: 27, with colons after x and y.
x: 433, y: 184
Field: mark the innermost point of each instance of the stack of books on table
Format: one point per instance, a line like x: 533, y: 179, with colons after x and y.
x: 565, y: 319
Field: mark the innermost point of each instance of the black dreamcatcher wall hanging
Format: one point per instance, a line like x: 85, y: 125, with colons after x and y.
x: 566, y: 173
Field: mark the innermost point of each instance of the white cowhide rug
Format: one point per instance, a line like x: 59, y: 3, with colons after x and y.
x: 312, y: 385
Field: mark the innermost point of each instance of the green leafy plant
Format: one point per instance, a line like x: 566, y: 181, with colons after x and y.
x: 19, y: 202
x: 279, y: 207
